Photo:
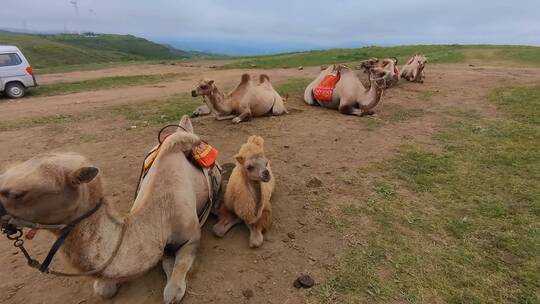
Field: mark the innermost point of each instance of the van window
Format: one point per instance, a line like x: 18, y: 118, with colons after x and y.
x: 9, y: 59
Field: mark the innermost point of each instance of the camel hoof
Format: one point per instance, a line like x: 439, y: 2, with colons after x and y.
x: 105, y: 289
x: 219, y: 230
x: 256, y: 240
x: 173, y: 293
x: 236, y: 120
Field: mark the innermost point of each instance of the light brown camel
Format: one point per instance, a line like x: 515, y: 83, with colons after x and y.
x: 247, y: 198
x: 349, y: 95
x: 162, y: 225
x: 413, y: 70
x: 247, y: 100
x: 388, y: 64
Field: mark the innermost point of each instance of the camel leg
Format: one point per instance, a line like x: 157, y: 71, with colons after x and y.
x: 176, y: 285
x: 245, y: 116
x: 105, y: 289
x: 256, y: 230
x: 224, y: 117
x: 227, y: 220
x: 350, y: 110
x: 168, y: 263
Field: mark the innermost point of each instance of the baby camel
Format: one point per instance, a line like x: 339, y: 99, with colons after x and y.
x: 248, y: 193
x: 247, y: 100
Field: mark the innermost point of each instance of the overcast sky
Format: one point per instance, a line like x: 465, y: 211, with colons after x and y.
x: 286, y: 24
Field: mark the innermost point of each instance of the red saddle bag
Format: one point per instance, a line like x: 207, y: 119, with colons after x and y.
x: 324, y: 90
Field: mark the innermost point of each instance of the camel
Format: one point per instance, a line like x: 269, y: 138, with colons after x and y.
x: 413, y: 70
x: 388, y: 64
x: 349, y: 95
x: 163, y: 224
x: 247, y: 100
x: 248, y: 193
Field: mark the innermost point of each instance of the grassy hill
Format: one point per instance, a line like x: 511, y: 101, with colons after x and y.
x: 52, y: 52
x: 436, y: 54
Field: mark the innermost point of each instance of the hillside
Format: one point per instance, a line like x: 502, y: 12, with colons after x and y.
x: 523, y: 55
x: 53, y: 51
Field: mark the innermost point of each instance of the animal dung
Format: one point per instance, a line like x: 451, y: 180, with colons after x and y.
x: 304, y: 281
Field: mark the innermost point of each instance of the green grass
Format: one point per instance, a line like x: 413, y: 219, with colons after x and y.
x: 100, y: 84
x: 435, y: 53
x: 293, y: 86
x: 155, y: 112
x: 461, y: 225
x: 50, y: 53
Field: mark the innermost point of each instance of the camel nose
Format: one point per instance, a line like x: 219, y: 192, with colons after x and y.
x: 266, y: 175
x: 193, y: 93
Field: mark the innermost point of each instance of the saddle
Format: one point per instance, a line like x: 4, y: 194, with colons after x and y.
x: 324, y: 90
x: 203, y: 156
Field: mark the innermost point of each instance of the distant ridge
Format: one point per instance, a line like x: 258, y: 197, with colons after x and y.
x: 46, y: 50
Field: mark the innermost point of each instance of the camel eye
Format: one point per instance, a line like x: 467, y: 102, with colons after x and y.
x: 204, y: 87
x: 250, y: 167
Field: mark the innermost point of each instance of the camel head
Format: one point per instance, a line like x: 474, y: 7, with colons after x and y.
x: 421, y: 59
x: 203, y: 88
x: 380, y: 77
x: 252, y: 160
x: 50, y: 189
x: 368, y: 64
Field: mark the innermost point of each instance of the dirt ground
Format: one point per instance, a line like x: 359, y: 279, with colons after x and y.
x: 309, y: 142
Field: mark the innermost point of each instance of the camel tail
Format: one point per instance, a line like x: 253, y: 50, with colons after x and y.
x: 264, y: 78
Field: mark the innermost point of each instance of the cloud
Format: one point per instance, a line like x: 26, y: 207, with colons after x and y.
x: 309, y: 22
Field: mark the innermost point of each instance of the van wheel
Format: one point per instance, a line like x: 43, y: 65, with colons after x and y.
x: 14, y: 90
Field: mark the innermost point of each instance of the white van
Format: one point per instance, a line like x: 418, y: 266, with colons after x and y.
x: 16, y: 74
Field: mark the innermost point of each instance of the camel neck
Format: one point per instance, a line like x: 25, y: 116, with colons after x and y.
x: 371, y: 99
x: 220, y: 102
x: 95, y: 239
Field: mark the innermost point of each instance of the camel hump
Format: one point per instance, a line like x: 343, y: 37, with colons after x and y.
x: 245, y: 78
x: 256, y: 140
x: 264, y: 78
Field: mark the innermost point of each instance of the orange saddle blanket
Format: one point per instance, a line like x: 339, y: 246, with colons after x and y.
x: 203, y: 155
x: 324, y: 90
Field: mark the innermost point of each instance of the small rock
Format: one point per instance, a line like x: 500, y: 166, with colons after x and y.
x: 248, y: 293
x: 304, y: 281
x: 300, y: 68
x: 124, y: 156
x: 286, y: 146
x: 213, y: 66
x: 314, y: 182
x: 291, y: 235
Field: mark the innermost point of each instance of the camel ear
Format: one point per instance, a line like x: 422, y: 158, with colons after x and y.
x: 211, y: 82
x: 185, y: 123
x: 239, y: 158
x: 83, y: 175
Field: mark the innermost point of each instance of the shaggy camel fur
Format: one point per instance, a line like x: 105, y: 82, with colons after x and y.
x: 162, y: 225
x: 350, y: 96
x: 387, y: 64
x: 247, y: 100
x: 413, y: 70
x: 248, y: 193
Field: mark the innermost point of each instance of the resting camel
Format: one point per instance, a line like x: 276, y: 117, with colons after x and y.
x: 162, y: 225
x: 413, y: 70
x: 247, y: 100
x: 388, y: 64
x: 349, y: 95
x: 247, y: 198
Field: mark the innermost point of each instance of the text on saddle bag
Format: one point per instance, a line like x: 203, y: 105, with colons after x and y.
x: 324, y: 90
